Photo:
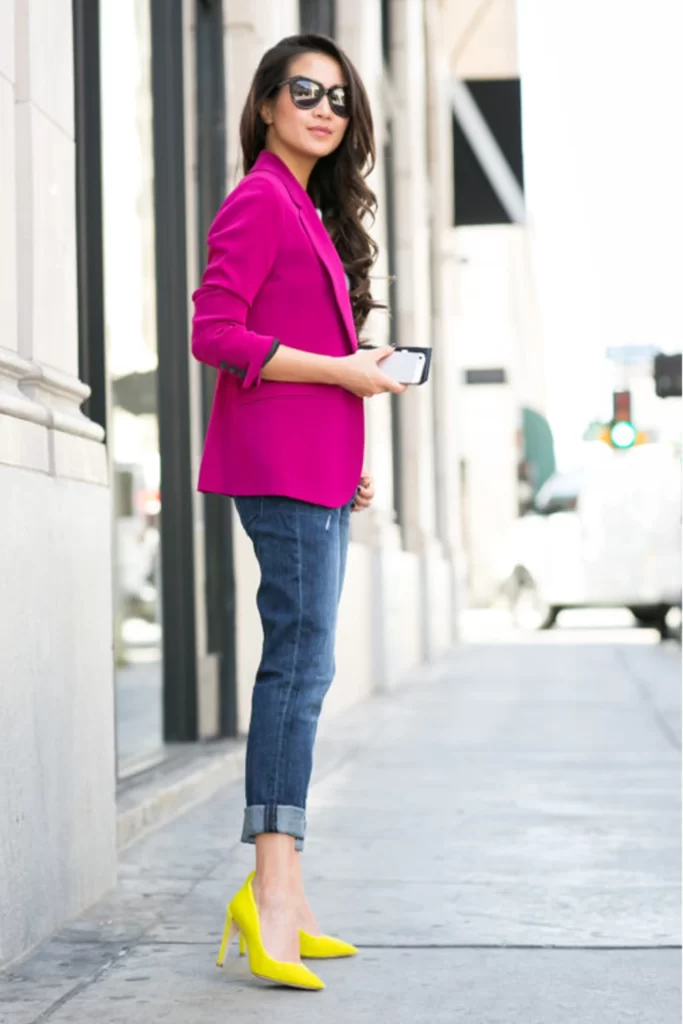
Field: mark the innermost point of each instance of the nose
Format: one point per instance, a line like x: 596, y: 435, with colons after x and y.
x: 324, y: 108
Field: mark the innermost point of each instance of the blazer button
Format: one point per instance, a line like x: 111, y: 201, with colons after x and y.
x: 223, y: 365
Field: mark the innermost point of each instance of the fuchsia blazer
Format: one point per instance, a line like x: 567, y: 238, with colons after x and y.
x: 274, y: 273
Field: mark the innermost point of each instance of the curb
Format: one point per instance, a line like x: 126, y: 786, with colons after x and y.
x: 159, y: 795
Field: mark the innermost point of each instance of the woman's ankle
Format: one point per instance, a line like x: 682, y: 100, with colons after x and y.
x: 273, y: 889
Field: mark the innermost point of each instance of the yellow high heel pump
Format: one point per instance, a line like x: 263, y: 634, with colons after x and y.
x: 313, y: 947
x: 243, y: 917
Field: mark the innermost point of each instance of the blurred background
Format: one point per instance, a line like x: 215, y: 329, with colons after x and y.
x: 529, y: 231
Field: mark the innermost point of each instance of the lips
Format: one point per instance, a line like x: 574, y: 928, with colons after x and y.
x: 322, y: 133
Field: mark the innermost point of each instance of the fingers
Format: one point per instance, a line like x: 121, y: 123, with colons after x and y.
x: 364, y: 494
x: 382, y: 353
x: 379, y: 387
x: 394, y: 386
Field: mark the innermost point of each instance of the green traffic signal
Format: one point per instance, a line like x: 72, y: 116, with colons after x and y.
x: 623, y: 434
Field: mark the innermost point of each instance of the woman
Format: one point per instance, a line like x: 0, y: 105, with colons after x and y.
x: 281, y: 305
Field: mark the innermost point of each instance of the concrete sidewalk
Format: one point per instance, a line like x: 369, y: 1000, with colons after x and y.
x: 502, y: 842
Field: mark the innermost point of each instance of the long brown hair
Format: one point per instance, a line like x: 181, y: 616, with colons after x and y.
x: 337, y: 184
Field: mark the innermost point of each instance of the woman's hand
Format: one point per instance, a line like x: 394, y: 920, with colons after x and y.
x: 364, y: 494
x: 361, y: 373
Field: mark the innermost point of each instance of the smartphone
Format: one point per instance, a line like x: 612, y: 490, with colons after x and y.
x: 407, y: 365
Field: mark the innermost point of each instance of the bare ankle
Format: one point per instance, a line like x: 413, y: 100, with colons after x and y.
x: 273, y: 891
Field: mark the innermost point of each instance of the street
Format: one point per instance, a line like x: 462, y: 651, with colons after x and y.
x: 500, y: 839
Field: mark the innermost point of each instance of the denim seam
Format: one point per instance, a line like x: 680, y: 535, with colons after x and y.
x: 290, y: 686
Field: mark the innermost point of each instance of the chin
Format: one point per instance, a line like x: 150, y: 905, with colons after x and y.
x: 319, y: 147
x: 323, y: 147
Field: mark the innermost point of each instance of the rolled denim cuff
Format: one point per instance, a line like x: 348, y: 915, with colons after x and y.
x: 262, y: 818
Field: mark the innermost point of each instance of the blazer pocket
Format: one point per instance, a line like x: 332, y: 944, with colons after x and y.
x: 267, y: 390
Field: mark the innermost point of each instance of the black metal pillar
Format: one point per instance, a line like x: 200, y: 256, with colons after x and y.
x: 178, y: 589
x: 212, y: 179
x: 91, y: 342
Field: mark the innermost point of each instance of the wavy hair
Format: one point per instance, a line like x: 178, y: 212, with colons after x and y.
x: 337, y: 184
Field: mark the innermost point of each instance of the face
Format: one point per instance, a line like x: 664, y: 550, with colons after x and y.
x: 308, y: 133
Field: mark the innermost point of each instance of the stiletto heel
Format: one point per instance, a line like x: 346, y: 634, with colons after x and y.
x: 229, y: 932
x: 243, y: 917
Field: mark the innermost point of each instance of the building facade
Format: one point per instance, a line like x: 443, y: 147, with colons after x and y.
x: 127, y: 600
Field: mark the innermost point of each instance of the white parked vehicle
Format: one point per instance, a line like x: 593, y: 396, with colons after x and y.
x: 607, y: 535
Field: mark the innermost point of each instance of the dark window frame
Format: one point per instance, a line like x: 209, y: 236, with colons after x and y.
x: 386, y: 15
x: 319, y: 16
x: 219, y: 563
x: 173, y: 377
x: 89, y: 219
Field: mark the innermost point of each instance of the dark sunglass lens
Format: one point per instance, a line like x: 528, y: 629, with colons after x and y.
x: 305, y: 93
x: 339, y: 101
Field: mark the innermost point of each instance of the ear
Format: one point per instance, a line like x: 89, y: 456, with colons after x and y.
x: 266, y: 112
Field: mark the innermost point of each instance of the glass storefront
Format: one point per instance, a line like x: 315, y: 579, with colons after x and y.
x: 129, y: 273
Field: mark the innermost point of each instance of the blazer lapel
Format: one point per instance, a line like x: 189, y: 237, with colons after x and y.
x: 317, y: 232
x: 329, y: 257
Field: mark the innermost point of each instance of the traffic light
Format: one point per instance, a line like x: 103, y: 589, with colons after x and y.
x: 622, y: 433
x: 667, y: 374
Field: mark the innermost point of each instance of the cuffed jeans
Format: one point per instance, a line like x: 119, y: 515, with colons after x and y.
x: 301, y: 550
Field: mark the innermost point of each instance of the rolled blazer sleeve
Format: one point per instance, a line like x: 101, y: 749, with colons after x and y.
x: 242, y: 242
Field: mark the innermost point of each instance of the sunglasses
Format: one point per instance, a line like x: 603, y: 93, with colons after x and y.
x: 306, y: 94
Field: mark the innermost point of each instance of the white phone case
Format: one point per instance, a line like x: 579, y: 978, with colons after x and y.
x: 404, y: 367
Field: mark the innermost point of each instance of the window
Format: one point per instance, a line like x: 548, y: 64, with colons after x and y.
x: 476, y: 201
x: 132, y: 302
x: 129, y: 259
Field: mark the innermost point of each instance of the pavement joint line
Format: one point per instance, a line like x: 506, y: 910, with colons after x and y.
x: 81, y: 986
x: 513, y: 946
x: 530, y: 947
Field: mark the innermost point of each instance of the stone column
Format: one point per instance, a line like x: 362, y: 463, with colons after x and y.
x: 415, y: 318
x: 413, y: 300
x: 56, y: 713
x: 359, y: 33
x: 46, y: 363
x: 443, y: 267
x: 22, y: 421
